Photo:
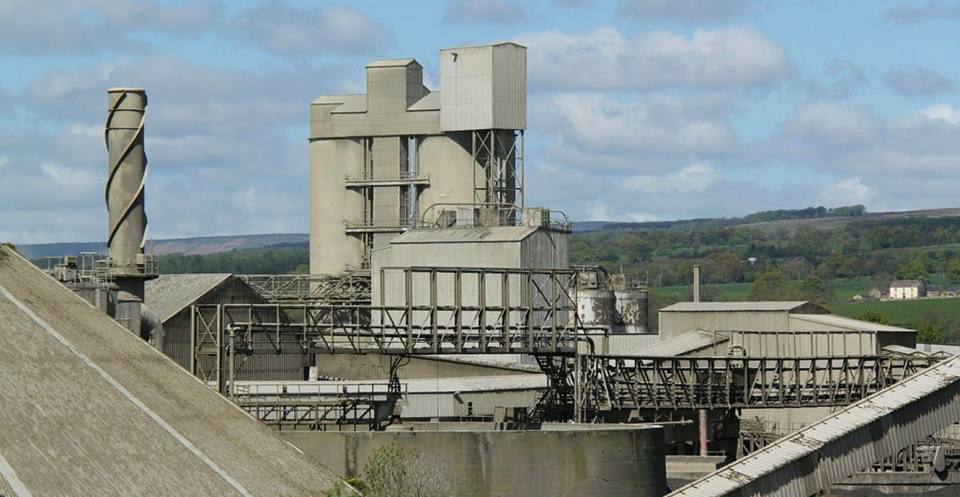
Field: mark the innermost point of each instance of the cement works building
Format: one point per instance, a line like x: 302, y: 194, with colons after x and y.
x: 382, y: 161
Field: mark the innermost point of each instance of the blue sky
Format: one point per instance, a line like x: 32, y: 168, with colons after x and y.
x: 638, y: 109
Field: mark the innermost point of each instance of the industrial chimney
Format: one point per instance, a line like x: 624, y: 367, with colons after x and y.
x: 127, y: 229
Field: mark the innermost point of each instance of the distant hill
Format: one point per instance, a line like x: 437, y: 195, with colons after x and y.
x: 791, y: 225
x: 203, y: 245
x: 206, y: 245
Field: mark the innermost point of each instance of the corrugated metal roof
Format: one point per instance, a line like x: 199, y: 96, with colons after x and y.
x: 733, y: 306
x: 171, y: 293
x: 338, y: 99
x: 116, y: 415
x: 430, y: 101
x: 682, y: 344
x: 465, y: 235
x: 780, y: 468
x: 492, y: 360
x: 482, y: 45
x: 392, y: 62
x: 845, y: 323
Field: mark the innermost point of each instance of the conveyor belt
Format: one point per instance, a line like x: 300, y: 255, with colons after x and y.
x: 843, y: 443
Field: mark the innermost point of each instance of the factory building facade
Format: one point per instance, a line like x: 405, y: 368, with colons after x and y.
x: 382, y: 161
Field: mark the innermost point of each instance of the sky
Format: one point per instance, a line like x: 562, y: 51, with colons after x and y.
x: 638, y: 110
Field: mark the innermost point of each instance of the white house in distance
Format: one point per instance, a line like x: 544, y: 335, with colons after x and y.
x: 906, y: 289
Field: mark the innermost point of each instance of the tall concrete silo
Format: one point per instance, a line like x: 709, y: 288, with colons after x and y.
x: 127, y: 220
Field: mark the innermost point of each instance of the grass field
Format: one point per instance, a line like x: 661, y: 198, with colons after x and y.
x: 843, y: 290
x: 904, y: 312
x: 718, y: 291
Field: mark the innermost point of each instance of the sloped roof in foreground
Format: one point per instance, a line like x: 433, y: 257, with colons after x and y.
x: 86, y: 408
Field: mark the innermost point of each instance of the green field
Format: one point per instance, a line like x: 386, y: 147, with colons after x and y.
x: 718, y: 291
x: 903, y: 313
x: 843, y: 290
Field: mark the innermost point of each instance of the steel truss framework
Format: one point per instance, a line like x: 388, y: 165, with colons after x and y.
x: 463, y: 311
x: 617, y: 383
x: 292, y: 408
x: 352, y: 287
x: 500, y: 154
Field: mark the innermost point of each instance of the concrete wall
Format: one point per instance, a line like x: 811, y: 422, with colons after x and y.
x: 595, y: 463
x: 331, y: 161
x: 446, y: 160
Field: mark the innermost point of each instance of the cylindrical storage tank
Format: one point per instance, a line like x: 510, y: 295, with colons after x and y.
x: 604, y: 462
x: 596, y: 307
x: 127, y: 166
x: 631, y: 307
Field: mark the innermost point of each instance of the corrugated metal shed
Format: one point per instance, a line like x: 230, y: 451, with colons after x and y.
x: 171, y: 293
x: 105, y: 414
x: 483, y: 87
x: 843, y: 443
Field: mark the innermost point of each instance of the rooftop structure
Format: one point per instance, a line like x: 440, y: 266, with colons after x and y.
x: 380, y: 160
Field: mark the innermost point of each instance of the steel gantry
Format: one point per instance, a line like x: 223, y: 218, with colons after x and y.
x: 320, y: 407
x: 350, y: 287
x: 442, y: 311
x: 619, y: 383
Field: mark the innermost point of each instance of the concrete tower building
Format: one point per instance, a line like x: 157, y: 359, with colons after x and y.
x: 382, y: 161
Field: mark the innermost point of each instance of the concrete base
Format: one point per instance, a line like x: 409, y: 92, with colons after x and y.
x: 596, y: 462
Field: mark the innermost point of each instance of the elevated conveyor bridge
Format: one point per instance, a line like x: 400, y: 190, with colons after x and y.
x: 823, y: 454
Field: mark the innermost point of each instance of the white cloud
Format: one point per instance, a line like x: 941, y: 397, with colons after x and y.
x: 917, y: 81
x: 503, y: 12
x: 693, y: 10
x: 598, y: 211
x: 695, y: 178
x: 65, y: 177
x: 837, y: 125
x: 944, y: 112
x: 642, y: 133
x: 604, y: 59
x: 205, y: 155
x: 642, y: 217
x: 4, y: 161
x: 847, y: 191
x: 87, y: 26
x: 853, y: 141
x: 922, y: 12
x: 285, y: 29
